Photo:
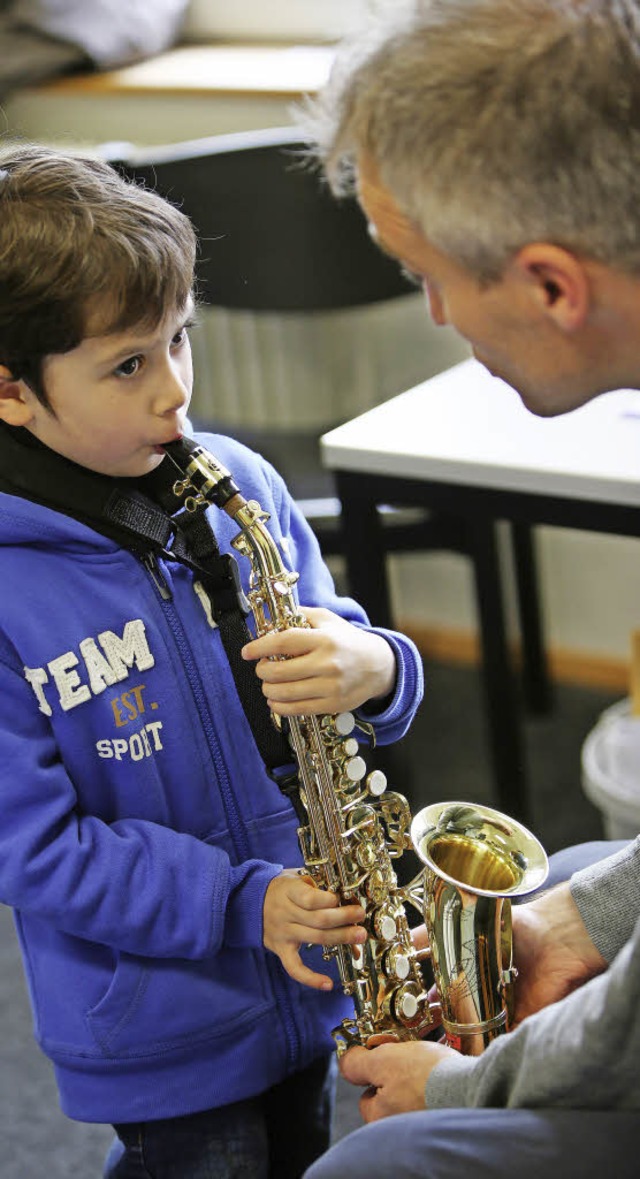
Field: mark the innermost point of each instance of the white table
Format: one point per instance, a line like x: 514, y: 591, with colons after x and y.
x: 463, y: 445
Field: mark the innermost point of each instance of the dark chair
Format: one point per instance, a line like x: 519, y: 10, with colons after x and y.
x: 273, y: 239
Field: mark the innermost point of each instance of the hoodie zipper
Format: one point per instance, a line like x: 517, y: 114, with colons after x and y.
x: 158, y: 578
x: 174, y: 622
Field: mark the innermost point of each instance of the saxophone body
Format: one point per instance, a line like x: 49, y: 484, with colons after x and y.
x: 352, y: 828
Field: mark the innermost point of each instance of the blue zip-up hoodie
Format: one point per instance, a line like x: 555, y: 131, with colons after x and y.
x: 138, y: 827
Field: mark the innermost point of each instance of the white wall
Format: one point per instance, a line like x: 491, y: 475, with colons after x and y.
x: 273, y: 19
x: 590, y: 591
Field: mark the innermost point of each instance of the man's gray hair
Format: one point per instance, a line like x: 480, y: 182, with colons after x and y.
x: 495, y: 123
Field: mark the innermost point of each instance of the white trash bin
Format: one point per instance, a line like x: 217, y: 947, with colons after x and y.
x: 611, y: 770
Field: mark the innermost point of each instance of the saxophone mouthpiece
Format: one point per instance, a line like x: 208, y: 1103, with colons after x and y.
x: 203, y: 476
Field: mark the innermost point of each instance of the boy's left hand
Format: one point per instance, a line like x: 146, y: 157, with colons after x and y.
x: 331, y: 666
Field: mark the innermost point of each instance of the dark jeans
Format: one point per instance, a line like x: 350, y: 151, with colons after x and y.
x: 273, y: 1136
x: 489, y: 1144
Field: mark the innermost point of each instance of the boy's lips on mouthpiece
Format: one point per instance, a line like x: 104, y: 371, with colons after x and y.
x: 161, y: 446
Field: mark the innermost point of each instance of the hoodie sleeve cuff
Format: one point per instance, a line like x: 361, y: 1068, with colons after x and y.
x: 393, y: 714
x: 244, y: 923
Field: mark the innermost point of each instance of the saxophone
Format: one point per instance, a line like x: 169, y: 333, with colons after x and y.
x: 352, y: 828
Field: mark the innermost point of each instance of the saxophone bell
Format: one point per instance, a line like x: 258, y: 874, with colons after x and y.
x: 477, y: 860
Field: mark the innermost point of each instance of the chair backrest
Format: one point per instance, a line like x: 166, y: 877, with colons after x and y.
x: 272, y: 237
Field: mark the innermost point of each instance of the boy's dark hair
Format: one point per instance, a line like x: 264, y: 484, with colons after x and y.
x: 78, y: 241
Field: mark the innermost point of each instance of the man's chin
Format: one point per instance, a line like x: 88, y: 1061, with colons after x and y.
x: 500, y: 375
x: 487, y: 363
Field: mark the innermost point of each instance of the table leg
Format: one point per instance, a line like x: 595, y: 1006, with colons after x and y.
x: 367, y: 575
x: 503, y: 714
x: 535, y: 672
x: 365, y: 555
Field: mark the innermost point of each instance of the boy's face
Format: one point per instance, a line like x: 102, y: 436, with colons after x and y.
x: 115, y: 400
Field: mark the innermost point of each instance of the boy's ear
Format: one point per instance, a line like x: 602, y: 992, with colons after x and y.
x: 559, y: 283
x: 15, y: 406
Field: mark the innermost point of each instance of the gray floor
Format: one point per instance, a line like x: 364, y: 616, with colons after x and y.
x: 443, y: 757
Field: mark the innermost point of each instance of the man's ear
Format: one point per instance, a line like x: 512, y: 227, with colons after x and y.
x: 559, y: 283
x: 15, y: 405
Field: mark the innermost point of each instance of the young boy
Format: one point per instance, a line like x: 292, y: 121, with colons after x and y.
x: 148, y: 855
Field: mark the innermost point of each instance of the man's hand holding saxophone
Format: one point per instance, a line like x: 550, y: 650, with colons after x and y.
x: 555, y: 955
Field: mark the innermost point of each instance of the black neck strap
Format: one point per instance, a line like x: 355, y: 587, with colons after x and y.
x: 145, y: 517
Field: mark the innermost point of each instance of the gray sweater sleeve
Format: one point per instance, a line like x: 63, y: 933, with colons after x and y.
x: 582, y: 1052
x: 608, y: 897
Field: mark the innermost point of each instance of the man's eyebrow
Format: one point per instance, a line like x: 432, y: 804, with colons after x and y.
x: 380, y: 243
x: 411, y: 275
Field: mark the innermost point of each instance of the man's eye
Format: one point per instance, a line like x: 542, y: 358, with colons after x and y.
x: 129, y: 367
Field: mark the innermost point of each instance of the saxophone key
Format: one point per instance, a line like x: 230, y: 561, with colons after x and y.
x: 396, y: 964
x: 358, y: 957
x: 343, y: 723
x: 403, y: 1004
x: 377, y: 886
x: 349, y: 747
x: 283, y: 583
x: 365, y: 855
x: 376, y: 783
x: 355, y: 769
x: 385, y: 926
x: 362, y: 824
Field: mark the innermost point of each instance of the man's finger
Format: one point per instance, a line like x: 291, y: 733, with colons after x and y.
x: 357, y: 1065
x: 367, y: 1105
x: 420, y: 937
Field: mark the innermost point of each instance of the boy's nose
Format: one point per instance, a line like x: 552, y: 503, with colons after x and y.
x: 174, y: 392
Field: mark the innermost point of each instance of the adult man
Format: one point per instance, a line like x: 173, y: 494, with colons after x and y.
x: 494, y: 146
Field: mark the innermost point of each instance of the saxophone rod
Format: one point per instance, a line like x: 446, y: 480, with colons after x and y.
x: 216, y: 484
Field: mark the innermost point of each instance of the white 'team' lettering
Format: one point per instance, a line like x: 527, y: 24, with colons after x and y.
x: 120, y: 656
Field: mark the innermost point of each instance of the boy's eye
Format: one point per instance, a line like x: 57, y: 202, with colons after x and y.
x: 181, y: 336
x: 129, y: 367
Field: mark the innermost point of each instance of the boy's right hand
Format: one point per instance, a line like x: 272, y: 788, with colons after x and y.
x: 297, y: 913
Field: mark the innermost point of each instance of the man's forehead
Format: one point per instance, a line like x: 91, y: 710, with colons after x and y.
x: 393, y: 232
